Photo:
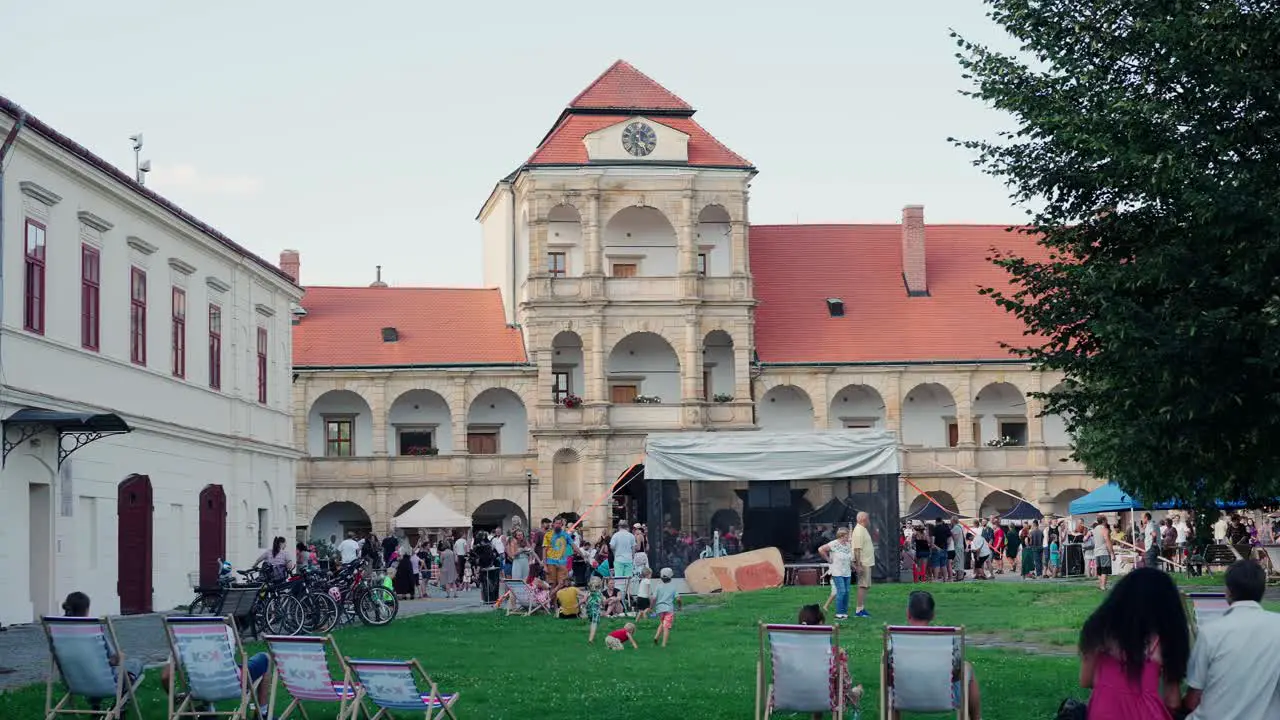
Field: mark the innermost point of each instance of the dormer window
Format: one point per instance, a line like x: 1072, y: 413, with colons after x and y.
x: 835, y: 307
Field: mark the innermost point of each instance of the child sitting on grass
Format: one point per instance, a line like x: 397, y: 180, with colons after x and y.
x: 615, y: 639
x: 812, y: 615
x: 665, y: 602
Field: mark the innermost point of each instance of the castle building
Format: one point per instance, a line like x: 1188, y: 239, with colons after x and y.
x: 627, y: 293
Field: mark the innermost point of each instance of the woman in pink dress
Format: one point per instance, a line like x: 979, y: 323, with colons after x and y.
x: 1134, y: 649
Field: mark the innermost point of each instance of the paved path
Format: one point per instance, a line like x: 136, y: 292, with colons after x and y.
x: 23, y: 648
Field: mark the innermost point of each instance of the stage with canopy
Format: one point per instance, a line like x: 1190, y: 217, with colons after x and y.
x: 766, y: 482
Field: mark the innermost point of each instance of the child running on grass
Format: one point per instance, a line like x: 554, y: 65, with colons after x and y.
x: 665, y: 602
x: 615, y: 639
x: 594, y: 604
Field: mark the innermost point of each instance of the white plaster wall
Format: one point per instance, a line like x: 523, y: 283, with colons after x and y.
x: 566, y: 236
x: 340, y: 402
x: 1055, y: 431
x: 606, y: 144
x: 649, y: 357
x: 713, y: 239
x: 521, y: 257
x: 496, y: 233
x: 644, y: 236
x: 856, y: 402
x: 420, y: 407
x: 923, y: 411
x: 995, y: 402
x: 498, y: 406
x: 718, y: 358
x: 567, y: 354
x: 785, y: 408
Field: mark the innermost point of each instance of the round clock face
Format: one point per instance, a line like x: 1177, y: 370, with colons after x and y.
x: 639, y: 139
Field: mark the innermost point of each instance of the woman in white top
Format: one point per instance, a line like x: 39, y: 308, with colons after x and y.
x: 981, y: 551
x: 839, y: 553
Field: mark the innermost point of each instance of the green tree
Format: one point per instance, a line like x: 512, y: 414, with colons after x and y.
x: 1147, y: 145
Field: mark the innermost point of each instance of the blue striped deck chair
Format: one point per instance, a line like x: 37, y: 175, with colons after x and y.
x: 209, y: 666
x: 392, y: 685
x: 301, y: 664
x: 81, y: 649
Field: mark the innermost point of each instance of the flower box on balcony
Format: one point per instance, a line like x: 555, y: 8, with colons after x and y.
x: 422, y: 451
x: 571, y: 401
x: 648, y: 400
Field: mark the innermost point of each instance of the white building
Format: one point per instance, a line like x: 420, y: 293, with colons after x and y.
x: 144, y: 386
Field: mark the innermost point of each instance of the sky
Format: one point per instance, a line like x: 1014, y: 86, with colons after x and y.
x: 367, y: 134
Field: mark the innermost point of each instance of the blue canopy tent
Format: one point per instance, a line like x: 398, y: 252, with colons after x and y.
x: 1108, y: 498
x: 1022, y: 511
x: 928, y: 512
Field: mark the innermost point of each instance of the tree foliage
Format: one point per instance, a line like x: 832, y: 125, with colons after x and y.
x: 1147, y: 144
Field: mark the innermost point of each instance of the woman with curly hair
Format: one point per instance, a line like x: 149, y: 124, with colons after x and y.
x: 1134, y: 649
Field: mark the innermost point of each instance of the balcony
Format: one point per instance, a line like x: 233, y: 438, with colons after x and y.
x: 1039, y: 460
x: 416, y: 469
x: 659, y: 289
x: 644, y: 415
x: 727, y: 413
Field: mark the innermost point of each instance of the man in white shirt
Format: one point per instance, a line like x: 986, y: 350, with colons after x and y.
x: 1234, y: 672
x: 623, y: 545
x: 1151, y: 540
x: 349, y: 549
x: 864, y: 558
x: 1220, y: 529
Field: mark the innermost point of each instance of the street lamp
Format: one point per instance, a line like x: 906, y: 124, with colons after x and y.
x: 528, y: 487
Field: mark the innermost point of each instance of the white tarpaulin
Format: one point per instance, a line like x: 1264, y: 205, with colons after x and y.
x: 431, y: 512
x: 770, y: 455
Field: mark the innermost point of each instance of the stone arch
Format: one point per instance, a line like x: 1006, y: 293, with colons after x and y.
x: 1000, y: 410
x: 566, y: 478
x: 496, y: 513
x: 719, y: 374
x: 997, y: 502
x: 785, y: 407
x: 856, y: 406
x: 642, y: 238
x: 419, y: 421
x: 335, y: 519
x: 942, y: 497
x: 644, y: 363
x: 1055, y: 426
x: 567, y: 365
x: 725, y: 518
x: 928, y: 416
x: 564, y: 237
x: 340, y: 424
x: 497, y: 423
x: 713, y: 238
x: 1061, y: 505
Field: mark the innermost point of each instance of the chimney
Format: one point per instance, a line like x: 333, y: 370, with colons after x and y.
x: 378, y: 282
x: 913, y: 269
x: 291, y: 264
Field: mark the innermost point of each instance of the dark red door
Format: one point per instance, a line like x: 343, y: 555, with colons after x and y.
x: 213, y: 532
x: 134, y: 545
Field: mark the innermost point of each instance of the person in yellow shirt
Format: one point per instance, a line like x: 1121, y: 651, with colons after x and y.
x: 864, y: 558
x: 567, y: 599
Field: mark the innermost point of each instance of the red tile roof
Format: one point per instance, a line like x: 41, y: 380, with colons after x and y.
x: 623, y: 86
x: 564, y: 145
x: 437, y: 326
x: 797, y: 267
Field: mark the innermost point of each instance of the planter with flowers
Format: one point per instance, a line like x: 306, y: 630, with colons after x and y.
x: 571, y: 401
x: 422, y: 451
x: 648, y: 400
x: 1002, y: 442
x: 569, y: 411
x: 720, y: 411
x: 722, y: 398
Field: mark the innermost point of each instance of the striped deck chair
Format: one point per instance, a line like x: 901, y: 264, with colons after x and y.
x: 393, y: 685
x: 793, y: 672
x: 1204, y: 607
x: 301, y: 664
x: 81, y: 649
x: 210, y: 666
x: 923, y: 670
x: 523, y: 600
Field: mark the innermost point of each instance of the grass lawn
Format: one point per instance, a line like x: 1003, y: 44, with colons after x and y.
x: 539, y: 667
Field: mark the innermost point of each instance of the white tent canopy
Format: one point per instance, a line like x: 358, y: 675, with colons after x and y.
x: 771, y: 455
x: 431, y: 512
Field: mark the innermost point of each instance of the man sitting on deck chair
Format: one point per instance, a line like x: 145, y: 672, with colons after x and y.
x: 920, y: 611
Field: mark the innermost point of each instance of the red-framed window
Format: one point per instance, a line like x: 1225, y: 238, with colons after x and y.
x: 90, y: 297
x: 179, y: 341
x: 138, y: 316
x: 33, y: 293
x: 215, y: 347
x: 262, y: 365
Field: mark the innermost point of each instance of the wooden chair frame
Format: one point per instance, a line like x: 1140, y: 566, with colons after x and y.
x: 62, y: 707
x: 348, y: 701
x: 764, y: 685
x: 886, y: 696
x: 430, y: 712
x: 184, y: 708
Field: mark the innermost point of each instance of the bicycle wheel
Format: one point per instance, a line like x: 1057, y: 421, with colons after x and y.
x: 284, y: 615
x: 377, y: 606
x: 204, y: 604
x: 321, y: 612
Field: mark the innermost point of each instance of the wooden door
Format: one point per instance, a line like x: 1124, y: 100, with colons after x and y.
x: 133, y: 545
x: 624, y: 270
x: 953, y: 435
x: 482, y: 443
x: 623, y: 393
x: 213, y: 532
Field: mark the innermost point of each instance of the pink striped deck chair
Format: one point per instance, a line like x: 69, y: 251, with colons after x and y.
x: 301, y: 664
x: 523, y: 600
x: 81, y: 649
x: 1205, y: 607
x: 793, y: 672
x: 923, y: 670
x: 393, y: 685
x: 209, y: 666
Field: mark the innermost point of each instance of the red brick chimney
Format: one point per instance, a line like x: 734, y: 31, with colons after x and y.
x: 291, y: 264
x: 913, y: 269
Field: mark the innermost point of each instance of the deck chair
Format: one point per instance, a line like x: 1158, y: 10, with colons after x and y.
x: 793, y: 672
x: 209, y: 666
x: 238, y: 604
x: 81, y: 649
x: 1204, y: 607
x: 523, y: 601
x: 393, y: 685
x: 623, y: 586
x: 923, y: 670
x: 301, y: 664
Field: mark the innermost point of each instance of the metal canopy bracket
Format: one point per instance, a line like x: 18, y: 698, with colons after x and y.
x: 75, y: 430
